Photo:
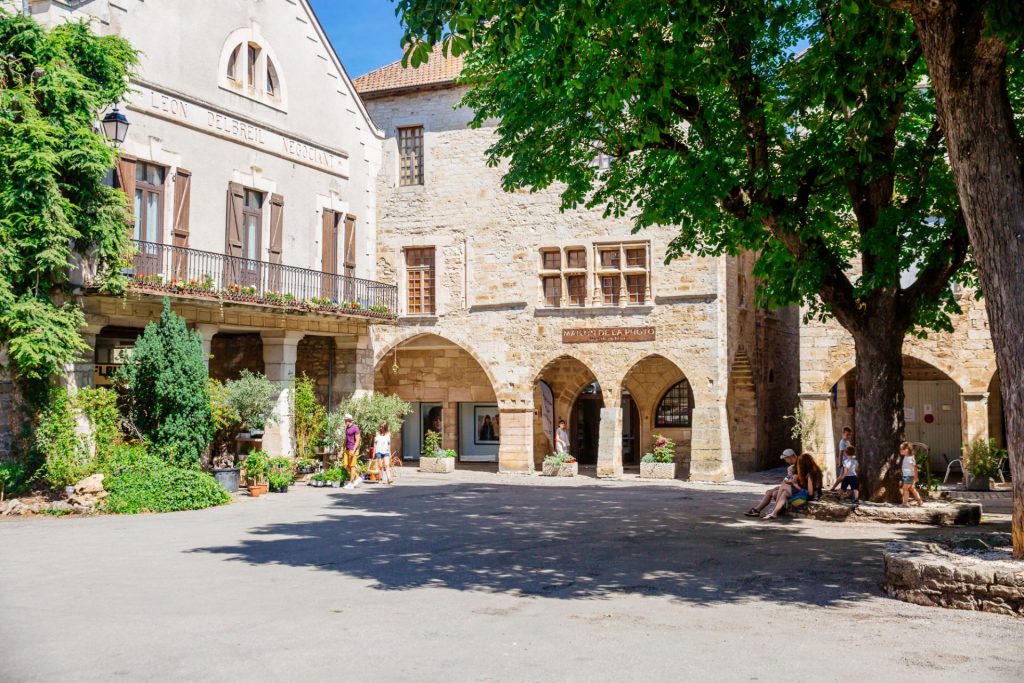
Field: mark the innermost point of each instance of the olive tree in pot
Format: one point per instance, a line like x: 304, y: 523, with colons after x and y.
x: 226, y: 424
x: 253, y: 397
x: 434, y: 458
x: 659, y: 463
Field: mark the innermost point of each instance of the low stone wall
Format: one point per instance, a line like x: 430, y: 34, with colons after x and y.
x: 437, y: 465
x: 951, y: 513
x: 940, y: 574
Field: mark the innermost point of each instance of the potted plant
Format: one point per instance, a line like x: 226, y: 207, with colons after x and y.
x: 253, y: 397
x: 659, y: 464
x: 434, y: 458
x: 335, y: 477
x: 256, y: 473
x: 318, y: 480
x: 982, y: 460
x: 305, y: 466
x: 279, y: 480
x: 225, y: 427
x: 560, y: 465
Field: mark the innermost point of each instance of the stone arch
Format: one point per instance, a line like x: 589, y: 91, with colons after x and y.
x: 567, y: 375
x: 395, y: 342
x: 647, y: 381
x: 957, y: 373
x: 447, y: 383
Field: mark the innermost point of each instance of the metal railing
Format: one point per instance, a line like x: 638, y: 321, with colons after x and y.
x: 181, y: 269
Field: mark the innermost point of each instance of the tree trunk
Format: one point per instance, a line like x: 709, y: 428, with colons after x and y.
x: 879, y: 409
x: 967, y: 68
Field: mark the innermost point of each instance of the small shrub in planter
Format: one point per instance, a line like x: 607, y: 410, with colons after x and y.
x: 253, y: 397
x: 305, y: 466
x: 659, y: 463
x: 335, y: 477
x: 434, y: 458
x: 279, y: 480
x: 256, y: 470
x: 318, y: 480
x: 560, y: 465
x: 982, y: 460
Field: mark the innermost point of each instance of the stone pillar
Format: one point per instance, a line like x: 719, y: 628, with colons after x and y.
x: 710, y: 453
x: 819, y: 407
x: 515, y: 452
x: 207, y: 332
x: 974, y: 409
x: 81, y: 373
x: 609, y: 443
x: 363, y: 365
x: 353, y: 367
x: 280, y: 349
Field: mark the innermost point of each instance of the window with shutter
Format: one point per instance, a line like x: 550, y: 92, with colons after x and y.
x: 410, y: 155
x: 329, y: 255
x: 180, y: 227
x: 276, y: 240
x: 419, y: 267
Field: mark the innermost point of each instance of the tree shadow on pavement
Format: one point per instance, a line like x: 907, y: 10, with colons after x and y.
x: 577, y: 542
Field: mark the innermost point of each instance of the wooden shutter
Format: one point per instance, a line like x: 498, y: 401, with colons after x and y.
x: 126, y: 181
x: 276, y: 240
x: 233, y: 238
x: 350, y: 244
x: 329, y: 258
x: 179, y: 229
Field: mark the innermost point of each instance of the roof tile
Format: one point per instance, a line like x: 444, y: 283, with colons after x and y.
x: 438, y: 70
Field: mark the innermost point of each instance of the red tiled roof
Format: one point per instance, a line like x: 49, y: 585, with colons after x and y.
x: 439, y: 70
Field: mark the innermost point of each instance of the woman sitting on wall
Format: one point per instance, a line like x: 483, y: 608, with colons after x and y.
x: 797, y: 488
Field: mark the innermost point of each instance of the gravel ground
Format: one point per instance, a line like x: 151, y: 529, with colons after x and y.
x: 477, y: 577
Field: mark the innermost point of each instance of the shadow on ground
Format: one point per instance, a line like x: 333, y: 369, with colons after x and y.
x: 576, y: 542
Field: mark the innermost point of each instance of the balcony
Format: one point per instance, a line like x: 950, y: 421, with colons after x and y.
x: 191, y: 273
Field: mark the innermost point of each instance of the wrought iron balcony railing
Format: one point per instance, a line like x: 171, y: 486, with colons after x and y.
x: 204, y: 274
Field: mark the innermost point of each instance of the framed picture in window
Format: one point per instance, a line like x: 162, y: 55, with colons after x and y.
x: 487, y: 425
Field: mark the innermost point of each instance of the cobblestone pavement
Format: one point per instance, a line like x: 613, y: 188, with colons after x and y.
x: 477, y: 577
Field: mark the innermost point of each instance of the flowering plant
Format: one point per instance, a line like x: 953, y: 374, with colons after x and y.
x: 664, y: 450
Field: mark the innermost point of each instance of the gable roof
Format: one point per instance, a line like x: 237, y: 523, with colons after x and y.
x: 439, y: 71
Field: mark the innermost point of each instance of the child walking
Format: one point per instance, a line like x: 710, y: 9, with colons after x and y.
x: 848, y: 475
x: 909, y: 469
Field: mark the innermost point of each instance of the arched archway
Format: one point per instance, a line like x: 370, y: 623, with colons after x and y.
x: 664, y: 401
x: 450, y: 391
x: 566, y: 378
x: 932, y: 409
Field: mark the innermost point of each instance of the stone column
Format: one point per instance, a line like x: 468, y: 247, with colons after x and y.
x: 609, y: 443
x: 819, y: 407
x: 363, y: 365
x: 207, y: 332
x: 515, y: 452
x: 710, y: 453
x: 353, y: 367
x: 81, y: 373
x: 280, y: 349
x: 974, y: 408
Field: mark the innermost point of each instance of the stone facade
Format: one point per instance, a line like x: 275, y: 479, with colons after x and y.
x: 960, y: 365
x: 493, y: 337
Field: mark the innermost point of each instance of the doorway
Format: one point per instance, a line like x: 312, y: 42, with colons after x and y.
x: 586, y: 424
x: 630, y: 431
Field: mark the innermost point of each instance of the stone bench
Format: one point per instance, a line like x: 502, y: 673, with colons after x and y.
x: 944, y: 513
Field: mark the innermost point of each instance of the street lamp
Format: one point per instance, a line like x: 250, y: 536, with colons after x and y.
x: 115, y: 127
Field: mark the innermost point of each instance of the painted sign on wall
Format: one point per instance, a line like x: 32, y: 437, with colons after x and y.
x: 582, y: 335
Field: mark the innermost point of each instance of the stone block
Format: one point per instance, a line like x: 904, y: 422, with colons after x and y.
x: 437, y: 465
x: 657, y: 470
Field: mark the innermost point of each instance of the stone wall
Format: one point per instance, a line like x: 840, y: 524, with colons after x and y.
x: 232, y: 353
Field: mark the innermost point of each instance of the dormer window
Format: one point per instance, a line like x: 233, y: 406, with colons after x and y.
x: 252, y: 70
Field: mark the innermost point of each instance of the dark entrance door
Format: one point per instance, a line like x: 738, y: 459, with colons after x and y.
x: 586, y: 424
x: 630, y: 431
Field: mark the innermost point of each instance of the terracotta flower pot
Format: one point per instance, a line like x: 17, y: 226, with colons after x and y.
x: 258, y: 490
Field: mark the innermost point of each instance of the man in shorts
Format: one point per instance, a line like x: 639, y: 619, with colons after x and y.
x: 349, y: 460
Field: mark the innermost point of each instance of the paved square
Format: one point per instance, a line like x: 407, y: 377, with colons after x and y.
x: 476, y: 577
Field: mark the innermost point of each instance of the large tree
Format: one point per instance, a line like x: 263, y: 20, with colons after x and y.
x: 796, y: 129
x: 975, y: 55
x: 54, y: 203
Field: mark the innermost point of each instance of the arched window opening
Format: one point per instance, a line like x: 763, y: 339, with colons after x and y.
x: 271, y: 79
x: 676, y: 407
x: 254, y: 56
x: 233, y: 63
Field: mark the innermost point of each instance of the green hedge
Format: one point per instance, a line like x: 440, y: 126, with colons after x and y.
x: 140, y: 482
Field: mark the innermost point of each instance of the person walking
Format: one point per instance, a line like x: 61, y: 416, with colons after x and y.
x: 561, y: 438
x: 382, y: 452
x: 908, y: 468
x: 848, y: 475
x: 350, y: 459
x: 844, y: 443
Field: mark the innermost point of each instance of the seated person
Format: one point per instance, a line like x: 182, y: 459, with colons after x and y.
x: 801, y: 486
x: 789, y: 456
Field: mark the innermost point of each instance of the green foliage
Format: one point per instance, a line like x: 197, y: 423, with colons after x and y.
x: 256, y: 466
x: 99, y: 407
x: 169, y: 399
x: 54, y: 83
x: 253, y: 397
x: 983, y: 458
x: 337, y: 474
x: 310, y: 418
x: 278, y: 479
x: 805, y: 430
x: 432, y: 445
x: 556, y: 460
x: 140, y: 482
x: 224, y: 420
x: 12, y: 478
x: 664, y: 450
x: 368, y: 412
x: 66, y: 458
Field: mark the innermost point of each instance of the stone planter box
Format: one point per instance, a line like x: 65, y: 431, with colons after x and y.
x: 569, y: 469
x: 437, y: 465
x: 657, y: 470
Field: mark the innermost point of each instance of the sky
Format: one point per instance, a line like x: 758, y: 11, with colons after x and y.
x: 365, y: 33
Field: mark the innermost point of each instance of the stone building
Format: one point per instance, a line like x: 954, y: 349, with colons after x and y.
x: 950, y: 380
x: 251, y: 163
x: 514, y: 315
